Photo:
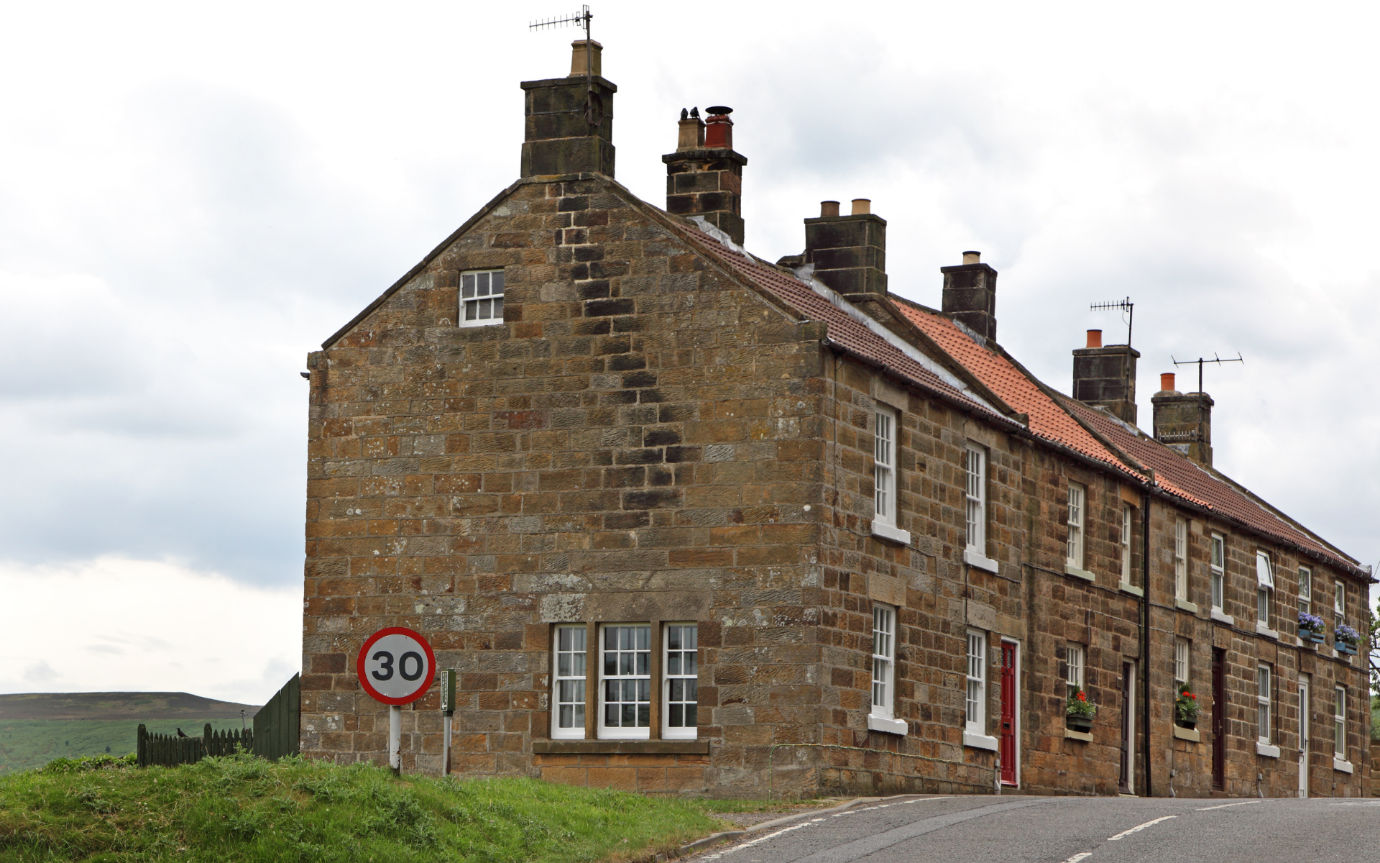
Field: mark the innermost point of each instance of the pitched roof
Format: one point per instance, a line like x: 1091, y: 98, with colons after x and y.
x: 1208, y: 488
x: 1060, y: 419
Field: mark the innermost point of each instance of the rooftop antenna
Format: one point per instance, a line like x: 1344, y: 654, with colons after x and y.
x: 1127, y: 308
x: 1200, y: 361
x: 594, y: 106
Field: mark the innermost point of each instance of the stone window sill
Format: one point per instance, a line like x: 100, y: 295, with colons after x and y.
x: 1341, y: 766
x: 620, y: 747
x: 981, y: 561
x: 979, y: 741
x: 1128, y: 587
x: 1262, y: 629
x: 1185, y: 605
x: 890, y: 533
x: 1266, y: 749
x: 1218, y: 616
x: 1070, y: 569
x: 1191, y: 734
x: 1085, y: 736
x: 887, y: 725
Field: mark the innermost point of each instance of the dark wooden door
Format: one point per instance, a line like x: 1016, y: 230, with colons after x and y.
x: 1128, y: 724
x: 1219, y: 719
x: 1008, y: 713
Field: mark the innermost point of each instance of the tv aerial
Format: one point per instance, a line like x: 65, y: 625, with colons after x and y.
x: 1127, y: 308
x: 594, y: 104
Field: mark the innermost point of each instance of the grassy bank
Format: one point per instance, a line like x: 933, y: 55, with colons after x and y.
x: 247, y: 809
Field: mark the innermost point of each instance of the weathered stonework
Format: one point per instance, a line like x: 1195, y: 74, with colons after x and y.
x: 648, y: 436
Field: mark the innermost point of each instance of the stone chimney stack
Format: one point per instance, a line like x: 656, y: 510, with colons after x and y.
x: 849, y: 252
x: 1106, y: 376
x: 704, y: 176
x: 569, y: 128
x: 1183, y: 421
x: 970, y: 295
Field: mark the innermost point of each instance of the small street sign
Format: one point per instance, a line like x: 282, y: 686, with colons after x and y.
x: 396, y: 666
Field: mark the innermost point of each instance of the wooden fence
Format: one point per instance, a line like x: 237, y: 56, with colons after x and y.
x: 168, y: 750
x: 278, y: 724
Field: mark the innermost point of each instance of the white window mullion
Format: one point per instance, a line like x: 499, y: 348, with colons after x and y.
x: 1219, y: 569
x: 1181, y: 559
x: 884, y: 457
x: 976, y: 492
x: 680, y: 664
x: 481, y: 298
x: 1263, y: 704
x: 975, y: 713
x: 568, y: 683
x: 1339, y: 724
x: 1077, y: 504
x: 883, y: 661
x: 625, y: 682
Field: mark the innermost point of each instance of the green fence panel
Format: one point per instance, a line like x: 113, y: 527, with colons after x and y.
x: 277, y: 725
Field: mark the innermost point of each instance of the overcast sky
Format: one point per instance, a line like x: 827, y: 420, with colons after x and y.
x: 194, y: 197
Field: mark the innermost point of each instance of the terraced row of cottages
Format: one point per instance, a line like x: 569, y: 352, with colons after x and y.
x: 688, y: 521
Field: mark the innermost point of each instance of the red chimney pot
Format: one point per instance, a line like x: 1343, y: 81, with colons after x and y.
x: 1094, y: 338
x: 1167, y: 382
x: 718, y: 129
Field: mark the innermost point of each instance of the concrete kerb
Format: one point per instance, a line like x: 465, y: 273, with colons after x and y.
x: 730, y: 835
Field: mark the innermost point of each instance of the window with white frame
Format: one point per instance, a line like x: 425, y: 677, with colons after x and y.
x: 1077, y: 505
x: 884, y: 457
x: 1262, y: 704
x: 625, y: 681
x: 1305, y: 590
x: 1339, y: 725
x: 681, y: 688
x: 1181, y: 559
x: 568, y: 683
x: 1339, y: 600
x: 1265, y: 585
x: 1182, y: 650
x: 1127, y: 574
x: 1074, y: 663
x: 481, y: 298
x: 1218, y: 566
x: 975, y: 466
x: 975, y: 714
x: 883, y: 661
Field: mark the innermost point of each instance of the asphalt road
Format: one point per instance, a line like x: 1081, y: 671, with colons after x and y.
x: 1016, y: 829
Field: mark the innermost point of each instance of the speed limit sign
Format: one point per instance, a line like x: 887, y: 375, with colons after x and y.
x: 396, y: 665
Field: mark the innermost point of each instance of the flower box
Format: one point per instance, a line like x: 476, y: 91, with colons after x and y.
x: 1348, y: 649
x: 1190, y: 724
x: 1080, y: 723
x: 1315, y: 637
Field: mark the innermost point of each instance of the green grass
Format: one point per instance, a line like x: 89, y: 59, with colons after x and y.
x: 29, y: 743
x: 246, y: 809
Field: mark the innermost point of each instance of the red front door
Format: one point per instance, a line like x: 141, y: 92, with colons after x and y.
x: 1008, y: 713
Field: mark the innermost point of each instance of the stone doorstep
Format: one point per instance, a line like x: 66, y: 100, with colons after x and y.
x: 620, y: 747
x: 730, y: 835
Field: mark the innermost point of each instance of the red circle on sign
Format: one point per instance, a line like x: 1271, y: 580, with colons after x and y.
x: 423, y: 682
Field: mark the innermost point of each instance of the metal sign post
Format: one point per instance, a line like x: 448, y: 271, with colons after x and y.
x: 395, y: 666
x: 448, y: 712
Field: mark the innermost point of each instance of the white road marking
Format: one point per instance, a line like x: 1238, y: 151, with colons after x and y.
x: 886, y: 806
x: 760, y: 839
x: 1225, y: 805
x: 1079, y: 856
x: 1139, y: 827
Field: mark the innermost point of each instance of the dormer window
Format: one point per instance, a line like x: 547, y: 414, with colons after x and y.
x: 481, y: 298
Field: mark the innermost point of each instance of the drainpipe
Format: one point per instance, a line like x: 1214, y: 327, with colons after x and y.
x: 1145, y: 632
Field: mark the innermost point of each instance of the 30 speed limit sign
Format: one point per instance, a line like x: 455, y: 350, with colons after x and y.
x: 396, y: 665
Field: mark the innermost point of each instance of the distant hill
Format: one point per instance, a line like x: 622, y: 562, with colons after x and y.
x: 36, y: 728
x: 136, y: 706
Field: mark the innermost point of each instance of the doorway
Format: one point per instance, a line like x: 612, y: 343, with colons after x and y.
x: 1010, y: 709
x: 1305, y: 727
x: 1128, y: 727
x: 1219, y: 718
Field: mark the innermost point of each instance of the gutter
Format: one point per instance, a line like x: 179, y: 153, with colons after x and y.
x: 1145, y: 631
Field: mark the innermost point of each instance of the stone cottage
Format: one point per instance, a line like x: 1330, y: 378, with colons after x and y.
x: 685, y: 520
